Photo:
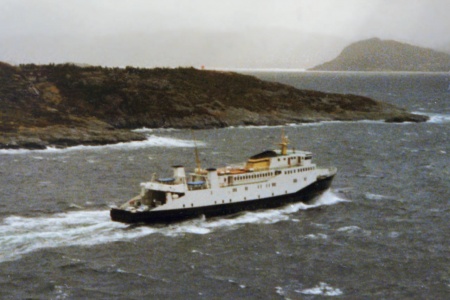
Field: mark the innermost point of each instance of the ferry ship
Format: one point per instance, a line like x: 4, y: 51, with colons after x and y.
x: 269, y: 179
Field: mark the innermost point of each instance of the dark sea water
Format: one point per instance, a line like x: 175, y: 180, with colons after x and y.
x: 381, y: 232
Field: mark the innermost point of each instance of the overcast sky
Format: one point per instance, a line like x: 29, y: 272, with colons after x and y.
x: 228, y: 33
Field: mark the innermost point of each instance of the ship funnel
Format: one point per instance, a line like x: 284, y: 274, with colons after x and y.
x: 213, y: 178
x: 178, y: 172
x: 284, y: 143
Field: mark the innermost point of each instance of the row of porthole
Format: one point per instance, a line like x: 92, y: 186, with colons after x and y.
x: 292, y: 158
x: 253, y: 176
x: 215, y: 202
x: 259, y: 186
x: 298, y: 170
x: 223, y: 201
x: 295, y: 179
x: 245, y: 198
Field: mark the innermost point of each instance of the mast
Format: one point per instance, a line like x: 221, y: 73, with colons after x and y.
x: 197, y: 158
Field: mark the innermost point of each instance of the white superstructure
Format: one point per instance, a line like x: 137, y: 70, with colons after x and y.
x: 266, y: 175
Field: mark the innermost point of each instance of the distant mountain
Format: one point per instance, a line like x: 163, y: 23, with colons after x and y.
x: 386, y: 55
x: 446, y: 48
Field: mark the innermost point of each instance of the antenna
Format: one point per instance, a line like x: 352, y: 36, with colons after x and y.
x: 197, y: 159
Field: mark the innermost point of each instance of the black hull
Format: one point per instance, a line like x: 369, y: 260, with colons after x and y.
x: 170, y: 216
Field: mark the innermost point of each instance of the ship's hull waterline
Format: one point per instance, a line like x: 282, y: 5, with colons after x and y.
x: 176, y: 215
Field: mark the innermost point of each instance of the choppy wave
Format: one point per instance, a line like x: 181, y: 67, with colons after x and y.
x: 148, y: 130
x: 340, y: 122
x: 22, y: 235
x: 159, y: 141
x: 436, y: 118
x: 318, y: 123
x: 151, y: 141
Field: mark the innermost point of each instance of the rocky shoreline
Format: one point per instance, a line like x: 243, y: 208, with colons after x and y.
x: 66, y: 105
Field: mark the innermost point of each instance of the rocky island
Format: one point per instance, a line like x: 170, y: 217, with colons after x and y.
x: 386, y: 55
x: 65, y: 105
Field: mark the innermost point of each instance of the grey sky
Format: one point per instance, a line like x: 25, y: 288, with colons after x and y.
x: 232, y: 33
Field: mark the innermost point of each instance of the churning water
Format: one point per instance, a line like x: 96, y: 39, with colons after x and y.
x: 380, y: 232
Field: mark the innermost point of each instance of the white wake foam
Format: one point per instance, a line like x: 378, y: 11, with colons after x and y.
x: 151, y: 141
x: 377, y: 197
x: 22, y: 235
x: 322, y: 289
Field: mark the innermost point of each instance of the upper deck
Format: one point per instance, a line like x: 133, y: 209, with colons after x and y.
x: 258, y: 168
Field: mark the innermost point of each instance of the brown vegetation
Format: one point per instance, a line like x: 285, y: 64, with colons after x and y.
x: 65, y: 104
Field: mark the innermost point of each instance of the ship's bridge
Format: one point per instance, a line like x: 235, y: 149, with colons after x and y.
x: 274, y: 159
